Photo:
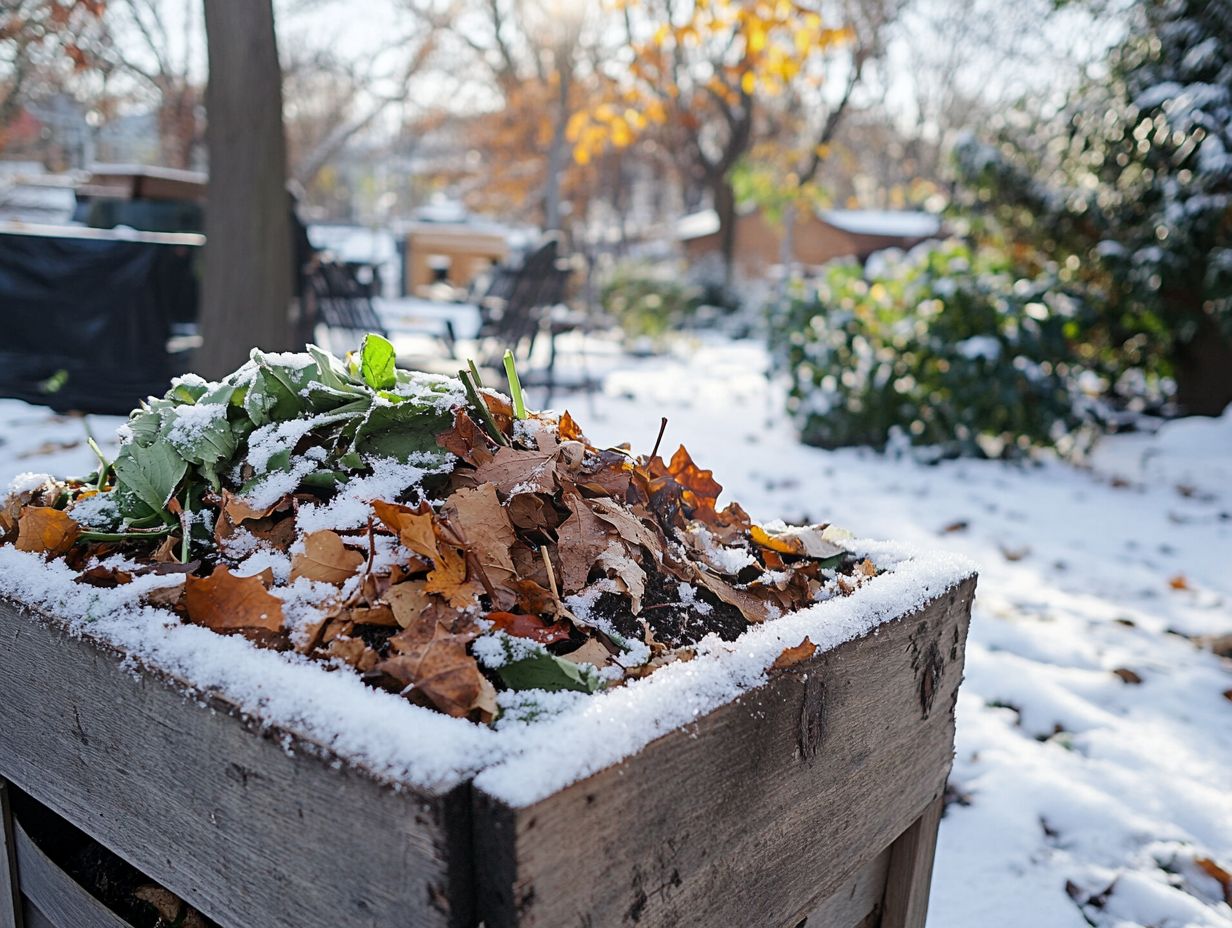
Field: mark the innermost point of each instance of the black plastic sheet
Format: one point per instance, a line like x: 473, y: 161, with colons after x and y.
x: 85, y: 319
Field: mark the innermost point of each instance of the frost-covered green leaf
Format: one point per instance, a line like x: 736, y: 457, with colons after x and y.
x: 400, y: 430
x: 149, y: 474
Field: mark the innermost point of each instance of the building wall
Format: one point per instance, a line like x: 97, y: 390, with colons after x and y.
x: 759, y: 244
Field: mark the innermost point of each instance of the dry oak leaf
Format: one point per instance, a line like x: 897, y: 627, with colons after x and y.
x: 527, y: 471
x: 583, y: 537
x: 415, y: 528
x: 442, y: 672
x: 529, y: 626
x: 44, y: 530
x: 224, y: 602
x: 569, y: 430
x: 467, y: 440
x: 478, y: 516
x: 325, y: 558
x: 792, y: 656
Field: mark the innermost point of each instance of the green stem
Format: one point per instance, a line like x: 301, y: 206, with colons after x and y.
x: 125, y: 536
x: 475, y: 373
x: 515, y: 385
x: 104, y: 466
x: 482, y: 408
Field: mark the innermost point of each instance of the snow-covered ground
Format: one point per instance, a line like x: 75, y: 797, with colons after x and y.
x: 1093, y: 777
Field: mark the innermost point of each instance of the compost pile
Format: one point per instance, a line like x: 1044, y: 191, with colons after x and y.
x: 430, y: 533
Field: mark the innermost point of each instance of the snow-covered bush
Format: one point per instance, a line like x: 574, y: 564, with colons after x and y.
x: 1130, y: 182
x: 942, y: 347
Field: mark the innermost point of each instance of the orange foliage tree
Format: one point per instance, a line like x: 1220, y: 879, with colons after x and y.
x: 710, y: 79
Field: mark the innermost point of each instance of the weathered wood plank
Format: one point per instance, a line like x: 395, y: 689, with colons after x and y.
x: 222, y: 816
x: 55, y: 894
x: 857, y: 903
x: 911, y: 871
x: 10, y: 893
x: 35, y: 918
x: 758, y: 812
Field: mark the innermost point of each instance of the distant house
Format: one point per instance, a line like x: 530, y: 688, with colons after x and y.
x: 817, y: 237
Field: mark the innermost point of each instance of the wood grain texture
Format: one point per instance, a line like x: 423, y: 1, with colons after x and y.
x: 857, y: 903
x: 35, y: 918
x: 61, y: 900
x: 756, y: 813
x: 227, y: 819
x: 10, y: 893
x: 911, y: 871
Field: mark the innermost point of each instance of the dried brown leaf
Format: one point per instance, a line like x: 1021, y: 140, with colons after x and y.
x: 43, y: 530
x: 442, y: 672
x: 794, y: 655
x: 224, y: 602
x: 325, y: 558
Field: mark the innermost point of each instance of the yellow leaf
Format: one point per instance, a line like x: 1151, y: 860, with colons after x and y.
x: 748, y: 82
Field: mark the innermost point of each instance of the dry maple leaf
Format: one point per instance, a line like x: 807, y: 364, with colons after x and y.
x: 529, y: 626
x: 441, y: 671
x: 701, y: 489
x: 415, y: 528
x: 224, y: 602
x: 44, y: 530
x: 449, y: 578
x: 792, y: 656
x: 325, y: 558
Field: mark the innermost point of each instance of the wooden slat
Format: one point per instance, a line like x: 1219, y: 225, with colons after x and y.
x: 755, y: 814
x: 911, y: 871
x: 35, y: 918
x: 225, y: 818
x: 64, y: 902
x: 857, y: 903
x: 10, y: 894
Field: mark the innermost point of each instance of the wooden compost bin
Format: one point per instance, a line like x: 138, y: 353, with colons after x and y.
x: 812, y: 800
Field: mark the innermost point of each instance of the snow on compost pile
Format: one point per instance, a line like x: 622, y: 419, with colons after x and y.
x: 401, y: 742
x: 378, y: 731
x: 603, y: 729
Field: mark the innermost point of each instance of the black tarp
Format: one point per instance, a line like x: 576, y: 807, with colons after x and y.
x: 90, y: 313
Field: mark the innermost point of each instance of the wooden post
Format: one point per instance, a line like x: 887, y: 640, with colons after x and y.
x: 10, y: 893
x: 911, y: 871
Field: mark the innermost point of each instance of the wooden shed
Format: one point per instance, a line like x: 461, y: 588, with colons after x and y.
x: 455, y: 252
x: 817, y: 237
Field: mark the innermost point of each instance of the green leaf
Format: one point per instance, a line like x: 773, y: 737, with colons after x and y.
x: 399, y: 431
x: 149, y: 474
x: 544, y: 671
x: 376, y: 362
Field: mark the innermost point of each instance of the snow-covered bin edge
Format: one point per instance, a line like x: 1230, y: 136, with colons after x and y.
x: 602, y: 730
x: 333, y: 713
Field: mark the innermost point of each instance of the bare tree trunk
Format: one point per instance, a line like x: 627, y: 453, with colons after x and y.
x: 725, y: 208
x: 248, y: 288
x: 556, y: 157
x: 1203, y: 370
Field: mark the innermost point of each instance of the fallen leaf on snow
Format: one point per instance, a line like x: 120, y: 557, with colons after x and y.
x: 224, y: 602
x: 325, y: 558
x: 792, y: 656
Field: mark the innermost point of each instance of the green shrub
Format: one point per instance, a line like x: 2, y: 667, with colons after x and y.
x: 649, y: 301
x: 942, y: 347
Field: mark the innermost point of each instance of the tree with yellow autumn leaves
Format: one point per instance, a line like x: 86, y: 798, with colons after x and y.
x: 714, y: 80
